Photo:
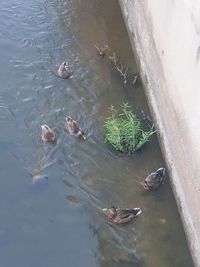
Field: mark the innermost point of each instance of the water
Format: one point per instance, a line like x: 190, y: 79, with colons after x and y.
x: 58, y: 221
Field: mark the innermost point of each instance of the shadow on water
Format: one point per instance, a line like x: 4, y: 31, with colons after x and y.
x: 58, y: 221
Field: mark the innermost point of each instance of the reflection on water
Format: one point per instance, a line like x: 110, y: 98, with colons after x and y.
x: 51, y: 221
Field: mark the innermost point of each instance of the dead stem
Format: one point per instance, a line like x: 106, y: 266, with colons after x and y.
x: 135, y: 79
x: 123, y: 73
x: 101, y: 50
x: 119, y: 67
x: 114, y: 59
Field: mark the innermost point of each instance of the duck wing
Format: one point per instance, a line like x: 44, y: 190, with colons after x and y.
x: 154, y: 180
x: 71, y: 126
x: 160, y: 173
x: 49, y: 137
x: 126, y: 212
x: 123, y: 213
x: 76, y: 128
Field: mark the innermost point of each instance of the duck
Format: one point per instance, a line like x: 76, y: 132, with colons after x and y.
x: 72, y: 127
x: 121, y: 215
x: 48, y: 134
x: 153, y: 180
x: 64, y: 71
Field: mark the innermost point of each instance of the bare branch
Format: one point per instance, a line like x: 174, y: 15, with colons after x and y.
x: 114, y: 59
x: 101, y: 50
x: 123, y: 73
x: 135, y: 79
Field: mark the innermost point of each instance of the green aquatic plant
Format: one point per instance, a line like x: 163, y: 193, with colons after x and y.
x: 124, y: 132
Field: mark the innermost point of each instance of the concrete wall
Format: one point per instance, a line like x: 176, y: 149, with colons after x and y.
x: 166, y: 37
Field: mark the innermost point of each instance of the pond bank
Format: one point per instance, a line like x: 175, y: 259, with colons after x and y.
x: 165, y: 37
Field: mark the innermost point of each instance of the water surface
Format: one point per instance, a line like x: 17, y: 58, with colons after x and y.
x: 58, y: 221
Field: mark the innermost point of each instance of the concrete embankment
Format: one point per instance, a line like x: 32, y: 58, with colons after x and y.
x: 166, y: 37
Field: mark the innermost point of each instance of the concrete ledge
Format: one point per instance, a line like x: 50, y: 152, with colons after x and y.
x: 165, y: 35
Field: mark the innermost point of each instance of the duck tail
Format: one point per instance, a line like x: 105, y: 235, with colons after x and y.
x: 68, y: 118
x: 45, y: 126
x: 160, y: 172
x: 136, y: 211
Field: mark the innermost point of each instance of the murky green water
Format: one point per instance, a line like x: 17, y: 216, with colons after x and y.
x: 58, y: 222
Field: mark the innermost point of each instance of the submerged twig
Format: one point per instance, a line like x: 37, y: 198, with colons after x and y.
x: 147, y: 118
x: 101, y: 50
x: 119, y: 67
x: 114, y: 59
x: 123, y: 73
x: 123, y: 70
x: 135, y: 79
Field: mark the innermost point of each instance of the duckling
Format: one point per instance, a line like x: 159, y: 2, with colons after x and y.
x: 153, y: 180
x: 48, y: 134
x: 121, y: 215
x: 64, y: 71
x: 72, y: 127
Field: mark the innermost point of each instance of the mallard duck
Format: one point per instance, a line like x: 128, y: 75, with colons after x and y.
x: 48, y: 134
x: 72, y: 127
x: 153, y: 180
x: 121, y: 215
x: 64, y: 71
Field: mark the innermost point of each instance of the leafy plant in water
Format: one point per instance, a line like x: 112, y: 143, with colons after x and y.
x: 124, y: 132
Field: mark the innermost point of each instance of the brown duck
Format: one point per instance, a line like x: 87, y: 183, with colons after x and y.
x: 64, y: 71
x: 72, y: 127
x: 48, y: 134
x: 153, y: 180
x: 121, y: 215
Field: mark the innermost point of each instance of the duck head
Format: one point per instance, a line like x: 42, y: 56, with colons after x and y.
x: 110, y: 212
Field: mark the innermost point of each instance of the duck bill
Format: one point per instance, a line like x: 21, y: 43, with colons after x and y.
x: 140, y: 183
x: 83, y: 136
